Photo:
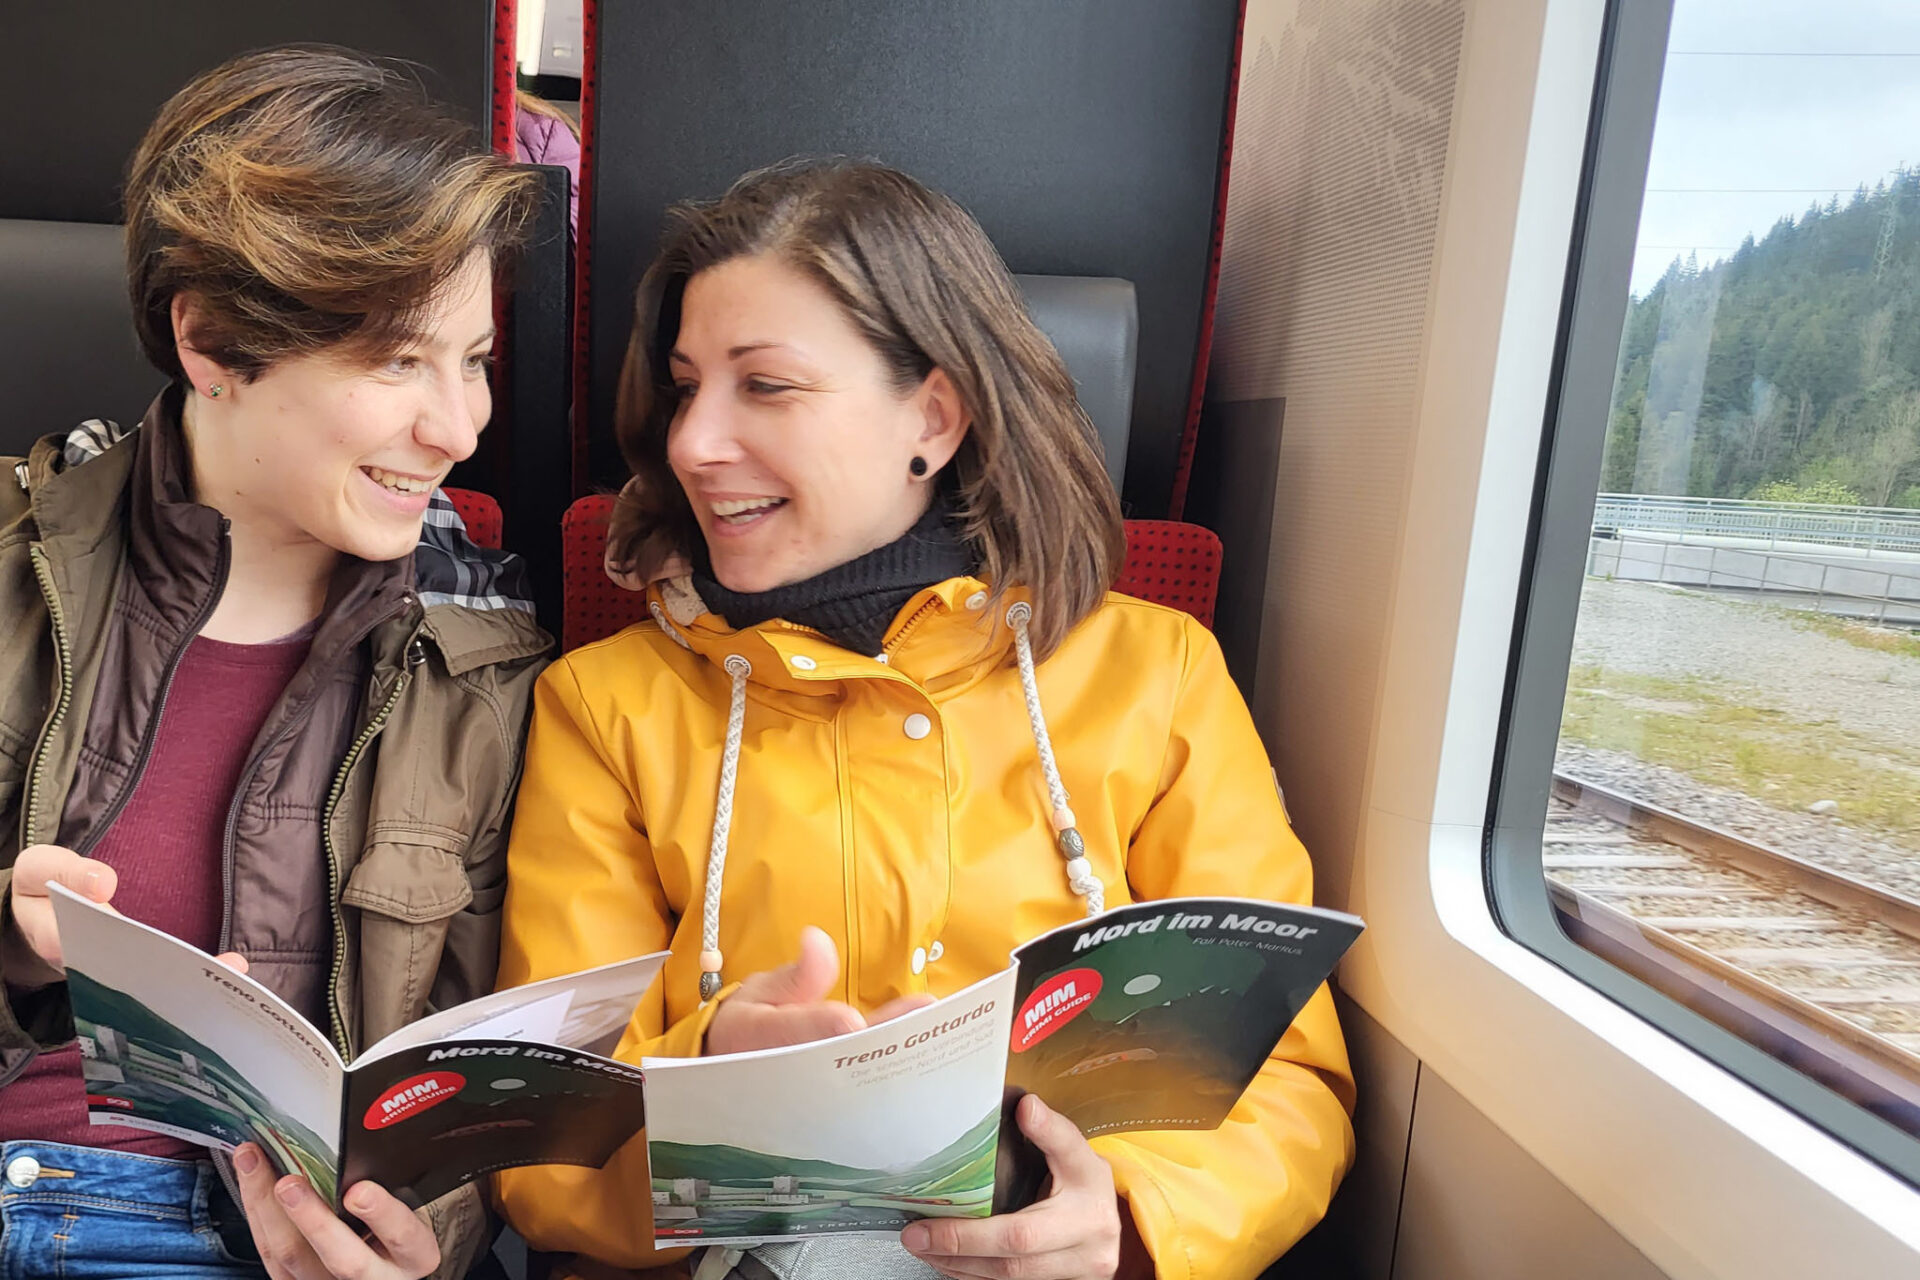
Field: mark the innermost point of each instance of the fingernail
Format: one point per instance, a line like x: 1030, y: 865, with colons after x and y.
x: 246, y: 1159
x: 90, y: 883
x: 291, y: 1191
x: 360, y: 1199
x: 916, y: 1239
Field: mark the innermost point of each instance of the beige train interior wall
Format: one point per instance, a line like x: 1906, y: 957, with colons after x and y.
x: 1344, y: 117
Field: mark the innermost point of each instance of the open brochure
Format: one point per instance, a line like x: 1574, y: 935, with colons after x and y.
x: 1156, y: 1015
x: 175, y: 1042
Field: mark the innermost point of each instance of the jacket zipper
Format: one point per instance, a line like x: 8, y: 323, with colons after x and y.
x: 899, y: 637
x: 887, y: 650
x: 230, y: 832
x: 946, y: 911
x: 221, y: 1160
x: 63, y: 665
x: 152, y: 730
x: 63, y: 668
x: 335, y: 1014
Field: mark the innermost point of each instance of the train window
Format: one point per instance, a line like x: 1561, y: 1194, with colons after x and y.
x: 1709, y: 802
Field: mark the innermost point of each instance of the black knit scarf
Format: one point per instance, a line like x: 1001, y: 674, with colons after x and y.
x: 851, y: 604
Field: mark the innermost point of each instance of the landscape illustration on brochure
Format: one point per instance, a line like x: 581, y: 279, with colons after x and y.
x: 175, y: 1042
x: 1155, y: 1015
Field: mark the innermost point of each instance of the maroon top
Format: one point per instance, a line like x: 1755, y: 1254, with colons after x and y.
x: 167, y: 846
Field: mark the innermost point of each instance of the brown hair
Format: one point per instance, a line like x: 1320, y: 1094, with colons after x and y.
x: 919, y: 279
x: 312, y: 199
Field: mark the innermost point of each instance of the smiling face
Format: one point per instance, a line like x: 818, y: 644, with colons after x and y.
x: 321, y: 450
x: 791, y: 440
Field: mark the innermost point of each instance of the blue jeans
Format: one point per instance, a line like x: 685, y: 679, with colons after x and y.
x: 81, y: 1213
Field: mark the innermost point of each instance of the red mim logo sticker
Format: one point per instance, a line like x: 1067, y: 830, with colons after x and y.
x: 1054, y: 1004
x: 412, y: 1096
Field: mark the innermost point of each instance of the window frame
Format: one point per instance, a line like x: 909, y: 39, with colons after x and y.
x: 1553, y: 572
x: 1700, y: 1171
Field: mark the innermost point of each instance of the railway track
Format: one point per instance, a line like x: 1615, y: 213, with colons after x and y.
x: 1820, y: 947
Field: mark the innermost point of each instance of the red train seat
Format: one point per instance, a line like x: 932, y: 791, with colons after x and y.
x: 480, y: 513
x: 1168, y: 562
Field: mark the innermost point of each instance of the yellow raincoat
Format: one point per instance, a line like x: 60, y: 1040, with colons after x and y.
x: 900, y: 806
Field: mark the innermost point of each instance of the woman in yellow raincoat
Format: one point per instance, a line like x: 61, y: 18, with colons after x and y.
x: 887, y: 711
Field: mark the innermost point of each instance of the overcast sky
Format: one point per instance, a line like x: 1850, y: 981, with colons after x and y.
x: 1769, y: 105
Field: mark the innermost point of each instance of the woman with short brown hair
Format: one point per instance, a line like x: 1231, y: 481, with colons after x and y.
x: 256, y: 687
x: 877, y: 540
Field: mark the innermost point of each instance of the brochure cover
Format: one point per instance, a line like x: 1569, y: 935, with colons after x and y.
x: 174, y: 1042
x: 1158, y: 1015
x: 862, y: 1133
x: 1155, y: 1015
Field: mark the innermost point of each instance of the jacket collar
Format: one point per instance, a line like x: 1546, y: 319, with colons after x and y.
x: 479, y: 609
x: 944, y: 638
x: 174, y: 544
x: 177, y: 545
x: 468, y: 638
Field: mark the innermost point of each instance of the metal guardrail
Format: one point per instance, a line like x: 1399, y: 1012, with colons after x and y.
x: 1884, y: 591
x: 1859, y: 528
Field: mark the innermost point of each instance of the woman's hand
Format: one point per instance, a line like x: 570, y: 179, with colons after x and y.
x: 788, y: 1005
x: 1075, y: 1233
x: 299, y: 1238
x: 34, y: 958
x: 38, y: 962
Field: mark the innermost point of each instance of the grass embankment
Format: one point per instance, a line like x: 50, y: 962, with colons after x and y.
x: 1702, y: 730
x: 1861, y: 635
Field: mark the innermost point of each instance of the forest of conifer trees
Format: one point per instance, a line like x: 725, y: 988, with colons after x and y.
x: 1788, y: 371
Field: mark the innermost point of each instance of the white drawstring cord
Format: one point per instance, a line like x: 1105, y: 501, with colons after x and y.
x: 660, y: 616
x: 1074, y: 849
x: 710, y: 958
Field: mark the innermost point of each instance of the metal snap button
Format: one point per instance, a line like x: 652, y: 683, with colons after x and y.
x: 918, y: 726
x: 977, y: 601
x: 801, y: 662
x: 919, y: 967
x: 24, y: 1171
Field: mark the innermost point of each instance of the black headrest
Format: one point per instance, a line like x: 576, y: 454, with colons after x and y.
x: 1084, y: 136
x: 67, y: 329
x: 109, y: 64
x: 67, y: 326
x: 1094, y: 322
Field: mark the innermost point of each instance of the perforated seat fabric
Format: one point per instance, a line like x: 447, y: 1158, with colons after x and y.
x: 480, y: 513
x: 1167, y: 562
x: 592, y: 606
x: 1173, y: 563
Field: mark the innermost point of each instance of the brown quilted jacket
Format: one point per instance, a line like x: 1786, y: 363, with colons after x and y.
x: 391, y: 759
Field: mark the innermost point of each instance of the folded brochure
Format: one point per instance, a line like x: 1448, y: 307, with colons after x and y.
x: 1155, y: 1015
x: 174, y: 1042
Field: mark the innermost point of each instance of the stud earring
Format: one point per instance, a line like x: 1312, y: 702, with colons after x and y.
x: 214, y: 390
x: 918, y: 466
